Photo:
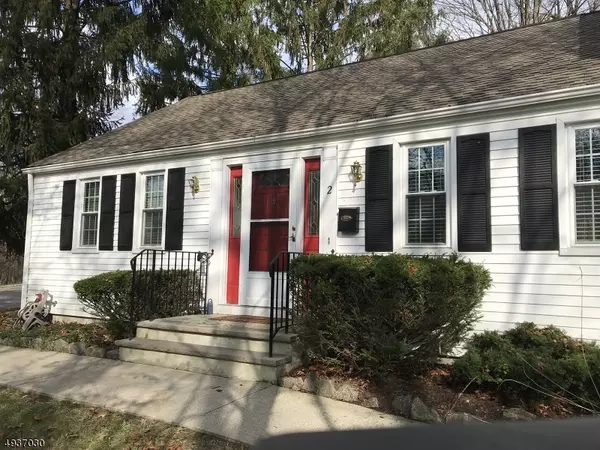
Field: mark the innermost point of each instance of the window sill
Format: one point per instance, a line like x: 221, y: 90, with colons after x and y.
x: 83, y: 251
x: 580, y: 251
x: 425, y: 249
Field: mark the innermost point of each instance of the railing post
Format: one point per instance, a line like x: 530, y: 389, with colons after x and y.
x: 153, y: 286
x: 190, y: 300
x: 271, y: 273
x: 206, y: 261
x: 287, y: 290
x: 132, y: 302
x: 147, y: 307
x: 203, y: 281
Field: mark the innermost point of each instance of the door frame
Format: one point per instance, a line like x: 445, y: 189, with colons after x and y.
x: 222, y: 168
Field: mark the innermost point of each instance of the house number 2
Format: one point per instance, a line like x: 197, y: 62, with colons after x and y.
x: 329, y: 189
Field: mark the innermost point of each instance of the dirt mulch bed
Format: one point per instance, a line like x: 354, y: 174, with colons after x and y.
x: 437, y: 390
x: 243, y: 319
x: 365, y: 386
x: 89, y: 334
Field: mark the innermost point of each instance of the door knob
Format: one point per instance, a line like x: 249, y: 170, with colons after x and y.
x: 293, y: 236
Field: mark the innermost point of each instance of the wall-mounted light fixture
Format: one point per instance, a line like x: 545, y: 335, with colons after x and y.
x: 356, y: 172
x: 194, y: 183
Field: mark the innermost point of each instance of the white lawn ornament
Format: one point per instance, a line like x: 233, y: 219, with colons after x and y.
x: 35, y: 312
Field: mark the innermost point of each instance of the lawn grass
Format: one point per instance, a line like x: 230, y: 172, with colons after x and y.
x: 67, y: 425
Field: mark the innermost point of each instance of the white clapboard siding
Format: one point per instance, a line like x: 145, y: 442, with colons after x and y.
x: 541, y: 287
x: 57, y: 271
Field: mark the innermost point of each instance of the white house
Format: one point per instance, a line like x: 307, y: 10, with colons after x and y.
x: 489, y: 147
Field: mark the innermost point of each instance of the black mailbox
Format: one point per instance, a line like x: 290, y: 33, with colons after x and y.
x: 348, y: 220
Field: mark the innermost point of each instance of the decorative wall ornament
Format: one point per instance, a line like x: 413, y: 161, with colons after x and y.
x: 194, y: 183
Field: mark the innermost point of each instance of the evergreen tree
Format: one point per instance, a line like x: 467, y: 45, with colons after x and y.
x: 64, y: 68
x: 198, y: 45
x: 316, y: 34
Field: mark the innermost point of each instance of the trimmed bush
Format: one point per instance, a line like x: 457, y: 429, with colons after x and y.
x: 374, y: 313
x: 165, y: 293
x: 108, y: 296
x: 531, y: 362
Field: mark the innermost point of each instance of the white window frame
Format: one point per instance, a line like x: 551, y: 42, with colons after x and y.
x: 575, y: 248
x: 403, y: 193
x: 78, y: 221
x: 141, y: 201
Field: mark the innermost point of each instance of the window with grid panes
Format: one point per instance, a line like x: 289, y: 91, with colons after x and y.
x: 153, y: 210
x: 426, y: 197
x: 89, y: 213
x: 587, y: 185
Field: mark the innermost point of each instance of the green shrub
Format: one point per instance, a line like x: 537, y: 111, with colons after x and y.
x: 378, y: 313
x: 531, y: 362
x: 108, y: 296
x: 165, y: 293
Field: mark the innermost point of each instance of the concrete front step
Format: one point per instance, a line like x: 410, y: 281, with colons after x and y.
x: 219, y: 361
x: 238, y: 336
x: 208, y: 338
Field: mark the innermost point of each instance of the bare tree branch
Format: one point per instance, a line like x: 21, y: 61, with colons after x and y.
x: 468, y: 18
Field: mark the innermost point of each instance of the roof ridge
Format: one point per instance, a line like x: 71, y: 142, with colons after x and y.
x: 412, y: 51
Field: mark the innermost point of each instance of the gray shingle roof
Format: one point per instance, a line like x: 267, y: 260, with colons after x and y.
x: 548, y: 57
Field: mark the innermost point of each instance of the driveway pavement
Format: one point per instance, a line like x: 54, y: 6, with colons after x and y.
x: 10, y: 297
x: 241, y: 410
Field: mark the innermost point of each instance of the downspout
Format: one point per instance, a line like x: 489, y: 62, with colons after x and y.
x: 26, y: 255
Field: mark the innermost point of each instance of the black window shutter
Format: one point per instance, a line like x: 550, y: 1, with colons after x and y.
x: 538, y: 188
x: 378, y: 200
x: 174, y: 222
x: 107, y: 213
x: 67, y: 215
x: 126, y: 210
x: 473, y: 180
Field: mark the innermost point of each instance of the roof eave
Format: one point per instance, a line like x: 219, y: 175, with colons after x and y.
x: 580, y: 92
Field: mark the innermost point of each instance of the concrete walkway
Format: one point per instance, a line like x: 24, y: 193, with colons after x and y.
x: 244, y: 411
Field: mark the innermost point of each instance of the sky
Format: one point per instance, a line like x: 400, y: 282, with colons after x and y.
x: 126, y: 113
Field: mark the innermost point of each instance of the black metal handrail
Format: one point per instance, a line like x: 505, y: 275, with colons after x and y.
x: 282, y: 299
x: 168, y: 283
